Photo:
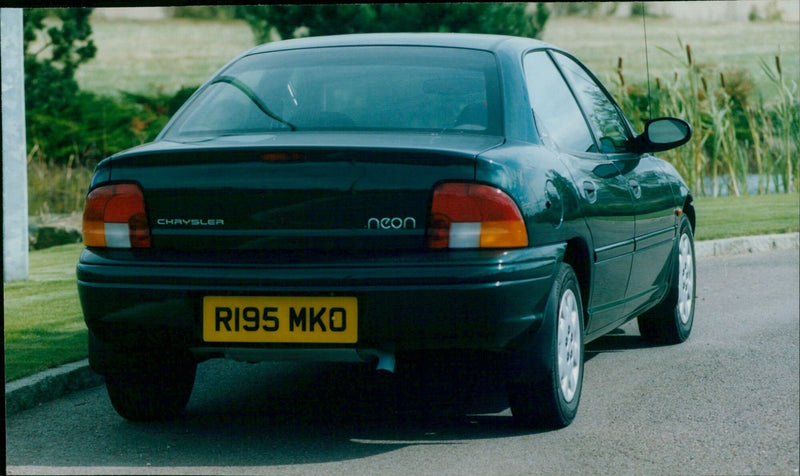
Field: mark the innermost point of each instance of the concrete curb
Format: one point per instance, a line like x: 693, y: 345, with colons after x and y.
x: 747, y: 244
x: 49, y: 385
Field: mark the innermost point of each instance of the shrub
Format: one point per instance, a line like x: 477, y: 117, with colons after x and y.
x: 64, y: 148
x: 89, y: 129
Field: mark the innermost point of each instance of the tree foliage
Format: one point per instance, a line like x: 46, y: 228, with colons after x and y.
x: 287, y: 21
x: 65, y: 125
x: 51, y: 62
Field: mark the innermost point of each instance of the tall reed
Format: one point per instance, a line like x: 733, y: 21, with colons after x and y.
x: 786, y: 111
x: 735, y: 134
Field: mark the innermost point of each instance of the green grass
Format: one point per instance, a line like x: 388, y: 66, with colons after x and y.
x: 44, y: 324
x: 725, y: 217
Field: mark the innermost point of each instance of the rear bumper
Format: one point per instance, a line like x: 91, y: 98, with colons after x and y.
x: 434, y: 301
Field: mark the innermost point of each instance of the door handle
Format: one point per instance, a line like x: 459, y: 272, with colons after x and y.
x: 591, y: 190
x: 635, y: 188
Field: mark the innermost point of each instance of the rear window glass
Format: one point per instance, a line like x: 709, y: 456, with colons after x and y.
x: 349, y: 88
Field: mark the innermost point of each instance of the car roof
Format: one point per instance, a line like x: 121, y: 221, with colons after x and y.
x: 452, y: 40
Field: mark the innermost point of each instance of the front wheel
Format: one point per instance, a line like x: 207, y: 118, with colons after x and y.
x: 549, y: 396
x: 670, y: 322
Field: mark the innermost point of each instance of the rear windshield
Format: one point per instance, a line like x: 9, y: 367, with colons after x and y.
x: 349, y: 88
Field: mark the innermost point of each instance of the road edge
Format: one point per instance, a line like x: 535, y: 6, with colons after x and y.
x: 32, y: 391
x: 746, y: 245
x: 51, y: 384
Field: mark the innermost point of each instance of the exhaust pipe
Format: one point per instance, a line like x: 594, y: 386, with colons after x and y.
x: 385, y: 361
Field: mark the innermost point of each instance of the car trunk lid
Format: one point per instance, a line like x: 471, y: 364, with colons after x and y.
x: 299, y: 191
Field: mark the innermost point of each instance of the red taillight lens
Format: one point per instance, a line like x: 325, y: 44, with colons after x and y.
x: 465, y: 215
x: 115, y: 217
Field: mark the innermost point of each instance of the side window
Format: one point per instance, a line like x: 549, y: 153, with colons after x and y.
x: 557, y: 113
x: 603, y: 116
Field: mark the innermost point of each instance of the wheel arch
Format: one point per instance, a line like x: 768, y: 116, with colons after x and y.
x: 688, y: 209
x: 577, y: 255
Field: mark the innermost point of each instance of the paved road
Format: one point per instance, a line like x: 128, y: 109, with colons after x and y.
x: 725, y: 402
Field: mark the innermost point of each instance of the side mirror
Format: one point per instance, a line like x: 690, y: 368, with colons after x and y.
x: 663, y: 134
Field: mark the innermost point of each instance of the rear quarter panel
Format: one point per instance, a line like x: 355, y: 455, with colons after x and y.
x: 530, y: 173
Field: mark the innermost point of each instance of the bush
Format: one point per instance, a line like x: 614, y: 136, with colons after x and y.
x: 64, y: 148
x: 89, y: 129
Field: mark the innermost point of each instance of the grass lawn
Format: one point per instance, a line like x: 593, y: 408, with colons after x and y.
x: 44, y: 323
x: 725, y: 217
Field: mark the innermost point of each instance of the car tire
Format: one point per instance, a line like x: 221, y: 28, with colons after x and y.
x: 150, y: 387
x: 548, y: 396
x: 670, y: 322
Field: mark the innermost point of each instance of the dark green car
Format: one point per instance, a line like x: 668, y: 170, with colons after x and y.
x: 371, y: 197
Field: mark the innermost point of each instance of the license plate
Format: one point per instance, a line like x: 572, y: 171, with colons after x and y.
x: 280, y: 319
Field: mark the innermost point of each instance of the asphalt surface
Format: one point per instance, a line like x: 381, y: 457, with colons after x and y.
x: 724, y: 402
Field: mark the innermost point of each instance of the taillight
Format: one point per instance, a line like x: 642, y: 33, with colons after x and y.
x: 465, y: 215
x: 115, y: 217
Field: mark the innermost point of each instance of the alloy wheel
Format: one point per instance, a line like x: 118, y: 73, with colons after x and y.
x: 685, y: 279
x: 569, y: 345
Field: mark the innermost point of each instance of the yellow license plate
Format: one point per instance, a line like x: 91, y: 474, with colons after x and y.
x: 280, y: 319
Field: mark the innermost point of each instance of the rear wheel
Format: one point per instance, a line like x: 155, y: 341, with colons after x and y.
x: 670, y: 322
x: 152, y: 386
x: 549, y: 396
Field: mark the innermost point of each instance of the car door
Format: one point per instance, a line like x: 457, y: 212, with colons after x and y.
x: 650, y: 191
x: 603, y: 194
x: 655, y: 228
